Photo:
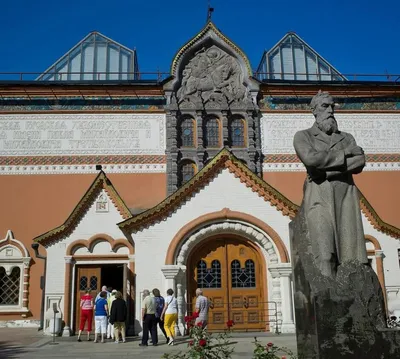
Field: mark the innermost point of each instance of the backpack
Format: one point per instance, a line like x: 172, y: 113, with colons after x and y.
x: 159, y: 306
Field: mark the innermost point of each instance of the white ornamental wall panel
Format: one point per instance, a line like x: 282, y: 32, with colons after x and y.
x: 82, y: 134
x: 226, y: 191
x: 94, y: 221
x: 375, y: 132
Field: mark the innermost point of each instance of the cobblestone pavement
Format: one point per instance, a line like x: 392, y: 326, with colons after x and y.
x: 29, y: 343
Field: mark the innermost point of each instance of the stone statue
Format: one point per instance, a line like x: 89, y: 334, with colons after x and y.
x: 331, y: 201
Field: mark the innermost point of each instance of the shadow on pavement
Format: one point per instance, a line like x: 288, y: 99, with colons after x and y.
x: 9, y: 350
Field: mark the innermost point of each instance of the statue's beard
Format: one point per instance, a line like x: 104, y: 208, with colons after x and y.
x: 328, y: 125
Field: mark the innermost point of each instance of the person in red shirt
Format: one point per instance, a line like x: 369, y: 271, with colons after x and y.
x: 86, y: 314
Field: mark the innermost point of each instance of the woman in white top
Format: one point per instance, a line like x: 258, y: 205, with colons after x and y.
x: 170, y: 315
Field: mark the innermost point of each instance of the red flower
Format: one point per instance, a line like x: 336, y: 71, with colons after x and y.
x: 188, y: 319
x: 283, y: 357
x: 191, y: 343
x: 202, y: 342
x: 195, y: 315
x: 199, y: 324
x: 230, y: 323
x: 270, y: 345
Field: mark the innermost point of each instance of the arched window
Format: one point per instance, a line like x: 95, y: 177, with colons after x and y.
x: 93, y: 283
x: 188, y: 170
x: 188, y: 133
x: 243, y: 277
x: 83, y: 283
x: 237, y: 132
x: 212, y: 138
x: 209, y: 277
x: 10, y: 286
x: 14, y: 275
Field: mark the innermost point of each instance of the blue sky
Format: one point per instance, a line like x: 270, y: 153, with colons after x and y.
x: 355, y: 36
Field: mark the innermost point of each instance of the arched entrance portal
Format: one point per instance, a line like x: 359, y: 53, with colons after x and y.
x: 231, y: 272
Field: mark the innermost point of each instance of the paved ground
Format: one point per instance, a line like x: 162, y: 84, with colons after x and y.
x: 29, y: 343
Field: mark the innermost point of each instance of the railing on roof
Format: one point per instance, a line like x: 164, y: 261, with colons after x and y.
x: 159, y: 76
x: 290, y: 76
x: 85, y: 76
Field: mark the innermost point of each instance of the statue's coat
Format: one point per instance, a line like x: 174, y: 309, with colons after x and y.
x: 331, y: 199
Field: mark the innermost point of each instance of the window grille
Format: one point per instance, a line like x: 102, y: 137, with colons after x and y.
x: 10, y: 286
x: 209, y: 277
x: 243, y: 277
x: 93, y: 283
x: 212, y: 133
x: 83, y: 283
x: 187, y: 134
x: 188, y: 171
x: 237, y: 133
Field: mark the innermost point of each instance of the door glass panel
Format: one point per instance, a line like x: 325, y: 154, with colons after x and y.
x: 93, y: 283
x: 83, y: 284
x: 209, y: 277
x: 243, y: 277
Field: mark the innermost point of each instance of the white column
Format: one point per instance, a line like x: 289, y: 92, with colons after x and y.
x: 174, y: 275
x: 170, y: 273
x: 283, y: 271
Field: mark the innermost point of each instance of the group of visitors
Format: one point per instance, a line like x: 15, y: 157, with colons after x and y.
x: 109, y: 315
x: 164, y: 312
x: 159, y: 310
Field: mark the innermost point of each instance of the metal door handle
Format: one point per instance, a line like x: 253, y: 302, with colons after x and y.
x: 245, y: 304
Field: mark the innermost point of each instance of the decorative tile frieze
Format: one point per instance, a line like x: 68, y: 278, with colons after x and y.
x: 80, y: 160
x: 146, y: 103
x: 279, y: 103
x: 83, y: 169
x: 299, y: 167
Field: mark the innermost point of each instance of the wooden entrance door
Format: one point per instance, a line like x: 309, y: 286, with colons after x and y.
x: 230, y: 273
x: 86, y: 277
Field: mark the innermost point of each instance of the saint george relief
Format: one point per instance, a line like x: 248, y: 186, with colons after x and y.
x: 212, y: 79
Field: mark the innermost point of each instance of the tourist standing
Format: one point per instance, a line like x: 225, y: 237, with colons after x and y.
x: 149, y: 319
x: 86, y: 306
x: 100, y: 316
x: 160, y: 302
x: 103, y: 289
x: 110, y: 328
x: 202, y: 307
x: 169, y: 315
x: 118, y: 316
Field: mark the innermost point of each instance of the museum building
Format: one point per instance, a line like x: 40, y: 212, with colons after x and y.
x: 185, y: 181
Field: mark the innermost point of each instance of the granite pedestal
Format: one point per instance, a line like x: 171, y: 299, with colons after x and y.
x: 341, y: 317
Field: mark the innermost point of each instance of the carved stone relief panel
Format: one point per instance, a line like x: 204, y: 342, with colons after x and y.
x: 212, y: 79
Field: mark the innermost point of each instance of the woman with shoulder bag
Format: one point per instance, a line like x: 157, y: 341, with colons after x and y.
x: 170, y: 315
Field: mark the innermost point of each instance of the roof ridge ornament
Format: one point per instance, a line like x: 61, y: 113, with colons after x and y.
x: 210, y: 10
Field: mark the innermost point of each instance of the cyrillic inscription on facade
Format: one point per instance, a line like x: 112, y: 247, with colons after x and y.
x: 376, y: 133
x: 83, y: 134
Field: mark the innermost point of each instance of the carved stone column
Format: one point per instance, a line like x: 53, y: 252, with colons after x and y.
x: 283, y: 272
x: 200, y: 139
x: 25, y: 294
x: 67, y: 296
x: 181, y: 300
x: 379, y: 255
x: 225, y: 128
x: 174, y: 275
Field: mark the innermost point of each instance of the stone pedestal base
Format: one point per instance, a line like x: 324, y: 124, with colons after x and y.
x: 342, y: 317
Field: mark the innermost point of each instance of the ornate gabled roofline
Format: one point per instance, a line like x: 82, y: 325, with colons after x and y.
x: 224, y: 159
x: 375, y: 220
x: 101, y: 182
x: 209, y: 27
